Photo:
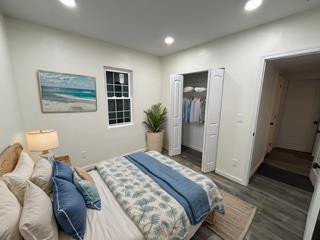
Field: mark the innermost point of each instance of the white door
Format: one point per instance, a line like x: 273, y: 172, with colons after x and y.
x: 315, y: 202
x: 274, y: 120
x: 175, y: 117
x: 212, y: 119
x: 316, y: 145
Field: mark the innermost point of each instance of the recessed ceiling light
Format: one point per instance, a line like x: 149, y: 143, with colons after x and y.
x: 69, y: 3
x: 169, y: 40
x: 252, y: 5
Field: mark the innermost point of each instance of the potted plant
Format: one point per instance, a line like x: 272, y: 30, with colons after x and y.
x: 156, y: 118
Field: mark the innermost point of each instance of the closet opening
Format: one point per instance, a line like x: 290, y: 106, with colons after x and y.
x: 194, y: 118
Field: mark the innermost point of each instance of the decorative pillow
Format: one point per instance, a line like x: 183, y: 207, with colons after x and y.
x: 37, y: 220
x: 42, y: 174
x: 88, y: 190
x: 17, y: 186
x: 24, y: 167
x: 49, y: 157
x: 83, y: 174
x: 62, y: 171
x: 69, y: 208
x: 10, y: 211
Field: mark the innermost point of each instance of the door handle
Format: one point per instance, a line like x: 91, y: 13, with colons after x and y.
x: 272, y: 123
x: 316, y: 165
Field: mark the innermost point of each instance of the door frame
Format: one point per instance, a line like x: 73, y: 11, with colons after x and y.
x: 199, y: 70
x: 255, y: 115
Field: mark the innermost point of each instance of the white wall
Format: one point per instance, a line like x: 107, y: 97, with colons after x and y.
x: 34, y: 47
x: 302, y: 108
x: 265, y: 115
x: 241, y: 54
x: 10, y: 124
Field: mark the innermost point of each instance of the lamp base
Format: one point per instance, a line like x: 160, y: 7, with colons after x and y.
x: 44, y: 152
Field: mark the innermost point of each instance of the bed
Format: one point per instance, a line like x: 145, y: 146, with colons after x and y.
x: 134, y: 206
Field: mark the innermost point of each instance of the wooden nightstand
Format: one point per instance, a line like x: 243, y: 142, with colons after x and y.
x: 63, y: 158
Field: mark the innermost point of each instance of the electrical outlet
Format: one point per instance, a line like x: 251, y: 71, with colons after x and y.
x: 84, y: 154
x: 235, y: 162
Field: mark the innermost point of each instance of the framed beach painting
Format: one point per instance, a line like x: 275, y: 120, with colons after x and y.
x: 63, y: 92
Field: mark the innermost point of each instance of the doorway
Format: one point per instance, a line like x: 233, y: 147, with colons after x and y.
x: 288, y: 122
x: 194, y: 117
x: 286, y: 138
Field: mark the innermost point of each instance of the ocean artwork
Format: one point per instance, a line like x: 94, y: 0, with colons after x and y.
x: 62, y: 92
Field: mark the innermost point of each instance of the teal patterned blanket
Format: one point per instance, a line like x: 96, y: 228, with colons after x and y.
x: 157, y: 214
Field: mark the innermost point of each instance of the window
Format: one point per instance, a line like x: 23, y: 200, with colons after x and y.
x: 119, y: 100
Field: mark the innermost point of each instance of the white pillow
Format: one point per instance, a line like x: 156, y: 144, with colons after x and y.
x: 42, y: 175
x: 24, y: 167
x: 10, y: 211
x: 37, y: 220
x: 17, y: 186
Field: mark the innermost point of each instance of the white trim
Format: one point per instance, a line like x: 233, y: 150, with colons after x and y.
x: 229, y: 176
x: 255, y: 115
x: 92, y: 166
x: 130, y: 95
x: 118, y: 125
x: 253, y: 171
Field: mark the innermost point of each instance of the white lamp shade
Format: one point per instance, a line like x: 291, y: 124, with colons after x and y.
x: 42, y: 140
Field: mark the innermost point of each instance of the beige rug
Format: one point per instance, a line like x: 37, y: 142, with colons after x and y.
x: 236, y: 221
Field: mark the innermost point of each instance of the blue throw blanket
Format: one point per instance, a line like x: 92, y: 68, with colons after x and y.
x: 190, y: 195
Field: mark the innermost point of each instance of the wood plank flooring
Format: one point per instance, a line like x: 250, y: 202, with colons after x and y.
x: 290, y: 160
x: 282, y: 209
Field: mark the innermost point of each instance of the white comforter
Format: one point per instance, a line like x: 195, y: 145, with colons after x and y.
x: 111, y: 222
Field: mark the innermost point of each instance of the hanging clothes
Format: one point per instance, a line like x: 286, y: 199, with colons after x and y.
x: 203, y: 109
x: 186, y: 110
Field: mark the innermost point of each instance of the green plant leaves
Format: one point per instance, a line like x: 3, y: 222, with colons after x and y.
x: 156, y: 118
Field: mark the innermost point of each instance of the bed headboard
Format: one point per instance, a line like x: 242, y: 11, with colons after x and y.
x: 9, y: 158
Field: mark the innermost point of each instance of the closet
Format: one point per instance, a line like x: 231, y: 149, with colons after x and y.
x: 193, y: 112
x: 194, y: 116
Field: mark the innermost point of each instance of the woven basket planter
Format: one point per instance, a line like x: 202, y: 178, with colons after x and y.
x: 155, y: 141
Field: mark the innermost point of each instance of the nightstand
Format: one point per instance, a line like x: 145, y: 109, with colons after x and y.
x: 63, y: 158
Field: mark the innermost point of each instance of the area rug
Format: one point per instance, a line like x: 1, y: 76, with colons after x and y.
x: 236, y: 221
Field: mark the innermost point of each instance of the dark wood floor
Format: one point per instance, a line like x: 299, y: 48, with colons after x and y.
x: 290, y: 160
x: 282, y: 209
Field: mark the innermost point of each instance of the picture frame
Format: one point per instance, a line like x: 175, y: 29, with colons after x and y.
x: 66, y: 93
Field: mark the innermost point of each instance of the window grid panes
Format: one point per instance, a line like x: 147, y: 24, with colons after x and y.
x: 118, y: 97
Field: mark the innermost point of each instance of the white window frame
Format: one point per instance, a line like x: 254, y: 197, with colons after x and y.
x: 130, y: 77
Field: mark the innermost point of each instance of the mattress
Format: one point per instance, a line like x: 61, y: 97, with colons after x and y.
x: 111, y: 222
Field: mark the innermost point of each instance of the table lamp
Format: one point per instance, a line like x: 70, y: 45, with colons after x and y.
x: 42, y: 140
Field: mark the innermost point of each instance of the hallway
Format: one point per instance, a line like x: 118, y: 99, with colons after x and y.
x: 288, y: 166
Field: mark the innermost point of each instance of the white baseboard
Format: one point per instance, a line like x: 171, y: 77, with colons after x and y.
x: 253, y: 171
x: 229, y: 176
x: 92, y: 166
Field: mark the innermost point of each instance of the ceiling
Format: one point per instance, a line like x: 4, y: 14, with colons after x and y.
x: 142, y: 24
x: 305, y: 65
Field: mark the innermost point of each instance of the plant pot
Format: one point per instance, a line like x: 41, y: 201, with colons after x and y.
x: 155, y: 141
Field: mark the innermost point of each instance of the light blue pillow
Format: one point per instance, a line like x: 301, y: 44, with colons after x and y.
x: 62, y: 171
x: 88, y: 190
x: 69, y: 208
x: 49, y: 157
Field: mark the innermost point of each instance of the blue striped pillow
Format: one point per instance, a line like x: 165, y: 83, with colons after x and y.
x: 69, y: 208
x: 62, y: 171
